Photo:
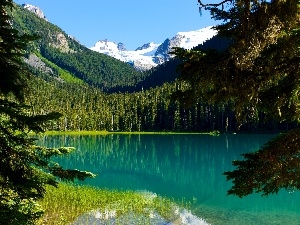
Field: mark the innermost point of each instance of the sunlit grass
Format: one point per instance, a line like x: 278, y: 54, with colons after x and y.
x: 104, y: 132
x: 63, y: 74
x: 67, y: 202
x: 82, y: 132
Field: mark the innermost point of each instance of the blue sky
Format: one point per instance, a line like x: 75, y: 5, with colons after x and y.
x: 133, y: 22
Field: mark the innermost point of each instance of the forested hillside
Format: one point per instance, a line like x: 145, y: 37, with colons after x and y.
x: 66, y: 56
x: 154, y: 77
x: 96, y: 92
x: 86, y: 108
x: 167, y: 72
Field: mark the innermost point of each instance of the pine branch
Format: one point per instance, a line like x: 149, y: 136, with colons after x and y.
x: 207, y: 6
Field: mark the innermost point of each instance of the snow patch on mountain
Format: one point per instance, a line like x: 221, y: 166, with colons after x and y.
x: 141, y: 58
x: 150, y: 55
x: 193, y: 38
x: 36, y: 10
x: 106, y: 46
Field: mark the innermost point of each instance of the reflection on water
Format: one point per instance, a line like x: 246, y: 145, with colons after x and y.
x: 179, y: 166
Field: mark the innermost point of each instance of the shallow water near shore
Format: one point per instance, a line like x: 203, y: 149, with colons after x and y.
x: 180, y: 167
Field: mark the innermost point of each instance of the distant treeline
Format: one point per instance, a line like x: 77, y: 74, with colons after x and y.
x: 86, y: 108
x: 93, y: 91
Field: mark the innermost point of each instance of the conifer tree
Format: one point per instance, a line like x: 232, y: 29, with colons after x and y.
x: 259, y: 71
x: 25, y: 169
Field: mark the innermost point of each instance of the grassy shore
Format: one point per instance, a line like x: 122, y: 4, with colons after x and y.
x: 67, y: 202
x: 64, y: 204
x: 82, y: 132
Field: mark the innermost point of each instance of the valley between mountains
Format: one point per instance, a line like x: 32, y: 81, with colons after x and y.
x: 107, y: 87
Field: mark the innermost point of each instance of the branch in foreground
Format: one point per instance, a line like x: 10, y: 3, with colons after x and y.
x: 275, y: 166
x: 212, y: 5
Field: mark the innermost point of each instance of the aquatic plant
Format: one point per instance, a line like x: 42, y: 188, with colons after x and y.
x: 67, y: 203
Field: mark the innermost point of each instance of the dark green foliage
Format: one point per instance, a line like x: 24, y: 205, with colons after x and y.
x: 218, y: 43
x: 164, y: 73
x: 56, y: 46
x: 25, y: 168
x: 258, y: 73
x: 99, y: 70
x: 255, y: 68
x: 86, y: 108
x: 167, y: 72
x: 94, y: 68
x: 235, y: 85
x: 11, y: 50
x: 275, y: 166
x: 148, y: 108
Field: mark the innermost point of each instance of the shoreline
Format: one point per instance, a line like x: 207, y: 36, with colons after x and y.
x: 82, y: 132
x: 104, y: 132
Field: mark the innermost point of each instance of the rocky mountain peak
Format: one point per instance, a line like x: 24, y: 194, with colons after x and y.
x: 163, y: 49
x: 150, y: 55
x: 108, y: 46
x: 36, y: 10
x: 145, y: 46
x: 121, y: 47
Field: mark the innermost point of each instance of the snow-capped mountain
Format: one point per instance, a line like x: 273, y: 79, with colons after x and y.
x: 35, y: 10
x: 150, y: 55
x: 142, y: 58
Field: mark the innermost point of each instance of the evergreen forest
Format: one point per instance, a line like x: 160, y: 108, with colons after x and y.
x: 248, y: 82
x: 96, y: 92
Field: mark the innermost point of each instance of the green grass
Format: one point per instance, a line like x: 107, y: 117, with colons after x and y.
x: 63, y: 74
x: 82, y: 132
x: 67, y: 202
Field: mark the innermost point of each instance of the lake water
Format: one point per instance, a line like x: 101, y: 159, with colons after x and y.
x: 186, y: 167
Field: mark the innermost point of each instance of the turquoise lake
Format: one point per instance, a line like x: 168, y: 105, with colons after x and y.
x: 186, y: 167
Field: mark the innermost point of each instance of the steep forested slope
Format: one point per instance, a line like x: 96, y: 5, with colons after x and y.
x: 62, y: 52
x: 72, y: 62
x: 86, y: 108
x: 167, y: 72
x: 155, y: 77
x: 76, y: 82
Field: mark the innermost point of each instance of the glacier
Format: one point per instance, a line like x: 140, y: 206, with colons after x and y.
x: 151, y: 54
